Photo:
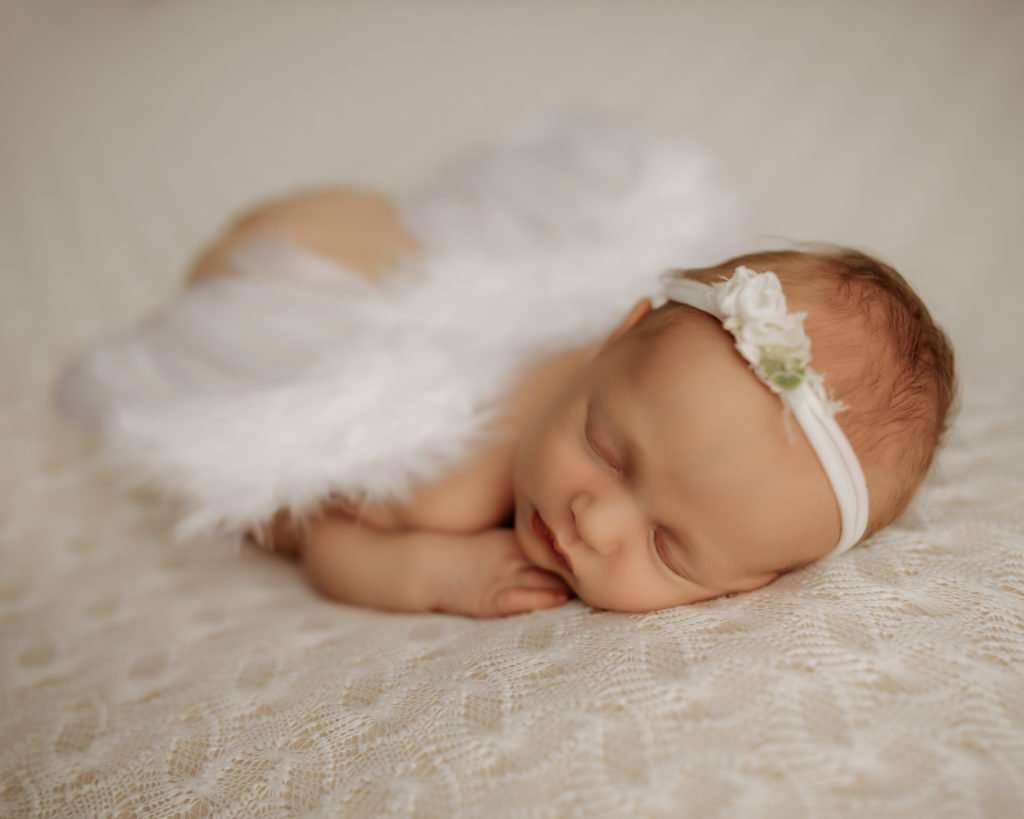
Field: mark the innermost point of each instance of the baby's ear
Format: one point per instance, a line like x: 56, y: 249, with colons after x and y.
x: 640, y: 309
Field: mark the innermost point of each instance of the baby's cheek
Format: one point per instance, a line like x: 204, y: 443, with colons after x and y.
x: 548, y: 454
x: 533, y: 460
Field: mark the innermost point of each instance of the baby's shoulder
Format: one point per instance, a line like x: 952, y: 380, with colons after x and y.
x: 474, y: 496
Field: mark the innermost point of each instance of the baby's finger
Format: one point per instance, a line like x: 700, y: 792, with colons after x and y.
x: 518, y: 600
x: 534, y: 578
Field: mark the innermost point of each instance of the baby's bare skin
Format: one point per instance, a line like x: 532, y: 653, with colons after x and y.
x: 645, y: 471
x: 441, y: 551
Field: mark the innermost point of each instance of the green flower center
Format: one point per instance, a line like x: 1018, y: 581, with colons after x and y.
x: 782, y: 366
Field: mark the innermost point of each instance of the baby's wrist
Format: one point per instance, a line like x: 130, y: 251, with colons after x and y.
x: 436, y: 569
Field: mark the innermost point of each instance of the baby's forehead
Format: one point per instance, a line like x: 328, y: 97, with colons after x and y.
x: 691, y: 342
x: 689, y: 381
x: 688, y: 389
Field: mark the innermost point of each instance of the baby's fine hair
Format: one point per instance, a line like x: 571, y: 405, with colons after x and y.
x: 880, y: 351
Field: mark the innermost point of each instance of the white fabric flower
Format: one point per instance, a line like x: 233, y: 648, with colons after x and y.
x: 773, y: 340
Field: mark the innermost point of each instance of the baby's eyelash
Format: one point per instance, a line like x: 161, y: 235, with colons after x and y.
x: 601, y: 457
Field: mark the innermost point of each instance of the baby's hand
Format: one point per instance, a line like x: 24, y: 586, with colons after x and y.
x: 487, y: 575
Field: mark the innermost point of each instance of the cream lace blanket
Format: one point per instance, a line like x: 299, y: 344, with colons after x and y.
x: 139, y: 679
x: 144, y: 680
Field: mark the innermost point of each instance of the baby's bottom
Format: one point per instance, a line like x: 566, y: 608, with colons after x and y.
x: 358, y: 229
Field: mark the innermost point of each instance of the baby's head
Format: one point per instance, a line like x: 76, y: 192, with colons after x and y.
x: 668, y: 472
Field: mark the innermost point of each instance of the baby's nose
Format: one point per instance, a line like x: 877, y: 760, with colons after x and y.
x: 602, y: 525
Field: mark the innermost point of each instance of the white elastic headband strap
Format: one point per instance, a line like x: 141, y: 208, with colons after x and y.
x: 833, y: 449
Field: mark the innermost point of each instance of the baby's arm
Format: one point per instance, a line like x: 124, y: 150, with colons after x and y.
x: 416, y: 568
x: 484, y: 574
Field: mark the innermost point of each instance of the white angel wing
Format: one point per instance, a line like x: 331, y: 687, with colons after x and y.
x: 297, y: 378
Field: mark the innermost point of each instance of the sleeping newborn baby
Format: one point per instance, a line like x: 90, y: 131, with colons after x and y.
x: 777, y: 408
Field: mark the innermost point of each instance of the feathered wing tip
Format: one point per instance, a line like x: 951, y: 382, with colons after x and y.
x: 87, y: 388
x: 572, y: 178
x: 296, y: 379
x: 227, y: 333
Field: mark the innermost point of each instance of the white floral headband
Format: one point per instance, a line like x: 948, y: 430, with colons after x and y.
x: 752, y: 306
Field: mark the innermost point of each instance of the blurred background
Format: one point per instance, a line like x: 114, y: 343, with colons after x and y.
x: 133, y: 129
